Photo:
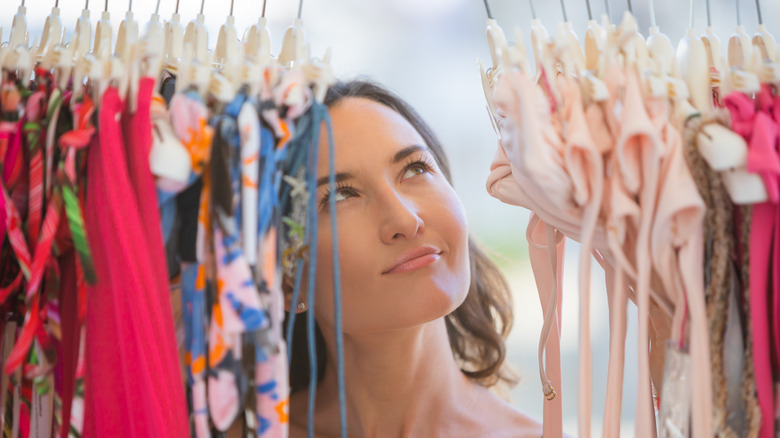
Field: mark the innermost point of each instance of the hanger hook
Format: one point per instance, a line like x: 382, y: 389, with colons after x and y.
x: 563, y: 9
x: 590, y: 13
x: 489, y: 12
x: 739, y: 15
x: 652, y: 14
x: 690, y: 15
x: 177, y: 7
x: 106, y: 8
x: 231, y: 8
x: 130, y: 6
x: 56, y: 3
x: 709, y: 14
x: 202, y: 3
x: 630, y: 7
x: 533, y: 9
x: 300, y: 8
x: 606, y: 8
x: 758, y: 8
x: 157, y: 9
x: 262, y: 14
x: 86, y: 6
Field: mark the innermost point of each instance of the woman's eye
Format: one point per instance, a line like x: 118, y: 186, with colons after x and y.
x: 340, y: 194
x: 416, y: 168
x: 343, y: 194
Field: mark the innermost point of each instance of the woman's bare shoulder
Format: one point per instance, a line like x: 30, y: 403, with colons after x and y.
x: 503, y: 420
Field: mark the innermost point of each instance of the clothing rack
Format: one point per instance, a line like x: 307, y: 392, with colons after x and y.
x: 146, y: 177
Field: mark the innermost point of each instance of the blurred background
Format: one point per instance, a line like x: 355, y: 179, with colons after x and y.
x: 426, y: 50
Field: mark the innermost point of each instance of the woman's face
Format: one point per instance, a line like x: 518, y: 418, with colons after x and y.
x: 403, y: 239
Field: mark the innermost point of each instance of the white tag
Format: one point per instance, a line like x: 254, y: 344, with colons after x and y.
x: 676, y: 393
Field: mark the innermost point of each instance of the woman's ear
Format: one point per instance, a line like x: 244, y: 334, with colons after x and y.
x: 288, y: 284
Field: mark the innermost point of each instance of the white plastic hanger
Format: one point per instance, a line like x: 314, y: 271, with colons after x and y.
x: 320, y: 73
x: 662, y: 54
x: 127, y: 34
x: 740, y: 54
x: 95, y: 66
x: 81, y: 41
x: 632, y: 44
x: 693, y: 69
x: 226, y: 74
x: 197, y: 36
x: 152, y: 46
x: 258, y: 41
x: 257, y: 53
x: 765, y: 52
x: 713, y: 48
x: 595, y: 39
x: 18, y: 28
x: 763, y: 39
x: 195, y: 67
x: 168, y: 158
x: 498, y: 48
x: 542, y: 48
x: 540, y: 41
x: 174, y: 42
x: 16, y: 55
x: 51, y: 35
x: 566, y: 30
x: 294, y: 50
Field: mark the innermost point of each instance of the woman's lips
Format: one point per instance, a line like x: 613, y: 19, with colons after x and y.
x: 414, y: 259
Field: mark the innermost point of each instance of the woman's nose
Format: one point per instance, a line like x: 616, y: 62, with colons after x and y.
x: 400, y: 217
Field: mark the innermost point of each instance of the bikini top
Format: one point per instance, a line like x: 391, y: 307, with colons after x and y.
x: 612, y: 176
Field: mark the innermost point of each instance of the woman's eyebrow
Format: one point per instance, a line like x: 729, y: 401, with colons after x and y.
x: 339, y: 178
x: 400, y: 155
x: 405, y: 152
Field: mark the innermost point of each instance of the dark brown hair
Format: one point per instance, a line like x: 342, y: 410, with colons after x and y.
x: 477, y: 329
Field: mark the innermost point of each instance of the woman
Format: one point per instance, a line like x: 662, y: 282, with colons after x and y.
x: 425, y: 312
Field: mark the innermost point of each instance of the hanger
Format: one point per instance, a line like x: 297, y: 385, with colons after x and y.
x: 712, y: 46
x: 498, y: 48
x: 593, y: 88
x: 152, y: 46
x: 168, y: 158
x: 258, y: 40
x: 145, y: 57
x: 662, y: 54
x: 174, y: 42
x: 595, y: 38
x: 294, y: 48
x: 320, y: 73
x: 16, y: 56
x: 573, y: 48
x: 95, y: 66
x: 18, y: 28
x: 693, y: 69
x: 225, y: 76
x: 740, y: 52
x: 195, y: 64
x: 197, y: 36
x: 765, y: 52
x: 82, y: 36
x: 127, y: 34
x: 631, y: 43
x: 52, y: 33
x: 257, y: 53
